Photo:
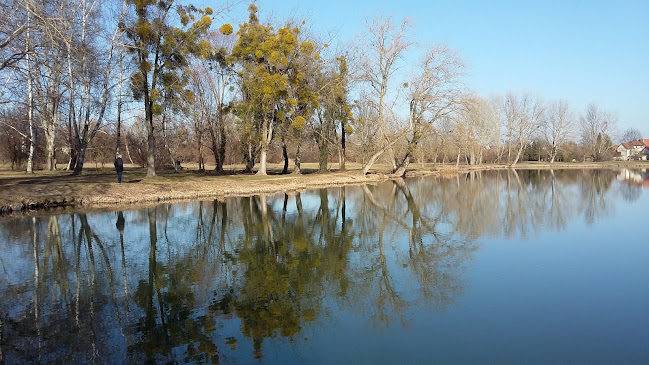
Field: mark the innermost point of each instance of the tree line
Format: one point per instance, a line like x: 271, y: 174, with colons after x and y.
x: 161, y: 82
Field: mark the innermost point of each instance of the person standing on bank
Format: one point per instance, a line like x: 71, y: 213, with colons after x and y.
x: 119, y: 167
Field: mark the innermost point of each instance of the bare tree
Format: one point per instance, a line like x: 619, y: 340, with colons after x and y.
x: 13, y: 25
x: 48, y: 60
x: 523, y: 115
x: 30, y: 101
x: 435, y: 93
x: 597, y: 126
x: 211, y: 82
x: 558, y: 126
x: 384, y: 46
x: 88, y: 103
x: 631, y: 134
x: 481, y: 123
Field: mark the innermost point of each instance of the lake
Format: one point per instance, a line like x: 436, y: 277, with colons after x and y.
x: 512, y: 266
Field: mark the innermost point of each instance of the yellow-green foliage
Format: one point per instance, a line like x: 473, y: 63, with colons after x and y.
x: 155, y: 94
x: 299, y: 122
x: 204, y: 49
x: 306, y: 47
x: 273, y: 67
x: 162, y: 49
x: 156, y: 109
x: 226, y: 29
x: 202, y: 24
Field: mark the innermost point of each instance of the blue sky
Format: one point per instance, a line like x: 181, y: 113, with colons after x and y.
x: 582, y: 51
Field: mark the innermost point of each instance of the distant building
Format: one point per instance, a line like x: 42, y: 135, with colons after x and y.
x: 633, y: 150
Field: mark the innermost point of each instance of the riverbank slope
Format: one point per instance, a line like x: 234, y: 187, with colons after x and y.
x: 97, y: 188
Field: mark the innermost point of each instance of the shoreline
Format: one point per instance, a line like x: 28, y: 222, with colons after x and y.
x: 49, y: 191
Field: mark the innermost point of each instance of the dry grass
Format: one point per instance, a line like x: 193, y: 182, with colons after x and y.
x: 98, y: 187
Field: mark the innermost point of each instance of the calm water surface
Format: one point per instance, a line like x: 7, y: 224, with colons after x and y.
x: 496, y: 267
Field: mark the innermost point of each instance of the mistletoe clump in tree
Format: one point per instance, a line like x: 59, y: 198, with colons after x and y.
x: 269, y: 65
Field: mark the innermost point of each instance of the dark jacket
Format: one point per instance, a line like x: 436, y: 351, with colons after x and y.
x: 119, y: 164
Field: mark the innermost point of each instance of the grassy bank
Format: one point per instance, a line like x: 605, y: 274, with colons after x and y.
x: 97, y: 188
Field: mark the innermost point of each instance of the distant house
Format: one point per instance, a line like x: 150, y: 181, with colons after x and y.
x: 633, y: 150
x: 645, y: 151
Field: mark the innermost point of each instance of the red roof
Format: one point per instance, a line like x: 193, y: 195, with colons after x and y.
x: 639, y: 142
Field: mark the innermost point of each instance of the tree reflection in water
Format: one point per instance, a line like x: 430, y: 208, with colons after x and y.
x: 223, y: 277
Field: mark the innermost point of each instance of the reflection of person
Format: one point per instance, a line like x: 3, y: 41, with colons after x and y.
x: 120, y: 223
x: 119, y: 167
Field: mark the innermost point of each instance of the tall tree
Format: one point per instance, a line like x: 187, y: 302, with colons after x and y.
x: 434, y: 94
x: 49, y: 58
x: 523, y: 116
x: 268, y: 68
x: 91, y: 73
x: 597, y: 126
x: 30, y: 98
x: 558, y: 126
x: 215, y: 82
x: 481, y: 122
x: 334, y: 112
x: 164, y: 35
x: 384, y: 47
x: 304, y: 88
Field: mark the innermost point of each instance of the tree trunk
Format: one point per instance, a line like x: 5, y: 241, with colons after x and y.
x: 343, y: 145
x: 393, y: 158
x: 201, y: 161
x: 518, y: 155
x: 128, y: 151
x: 150, y: 158
x: 32, y: 130
x: 378, y: 154
x: 81, y: 147
x: 371, y: 161
x: 509, y: 151
x: 267, y: 135
x: 214, y: 146
x: 50, y: 159
x: 401, y: 169
x: 324, y: 154
x: 250, y: 159
x: 221, y: 144
x: 148, y: 111
x: 553, y: 153
x: 285, y: 155
x: 262, y: 160
x: 81, y: 157
x: 119, y: 107
x: 30, y: 105
x: 298, y: 158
